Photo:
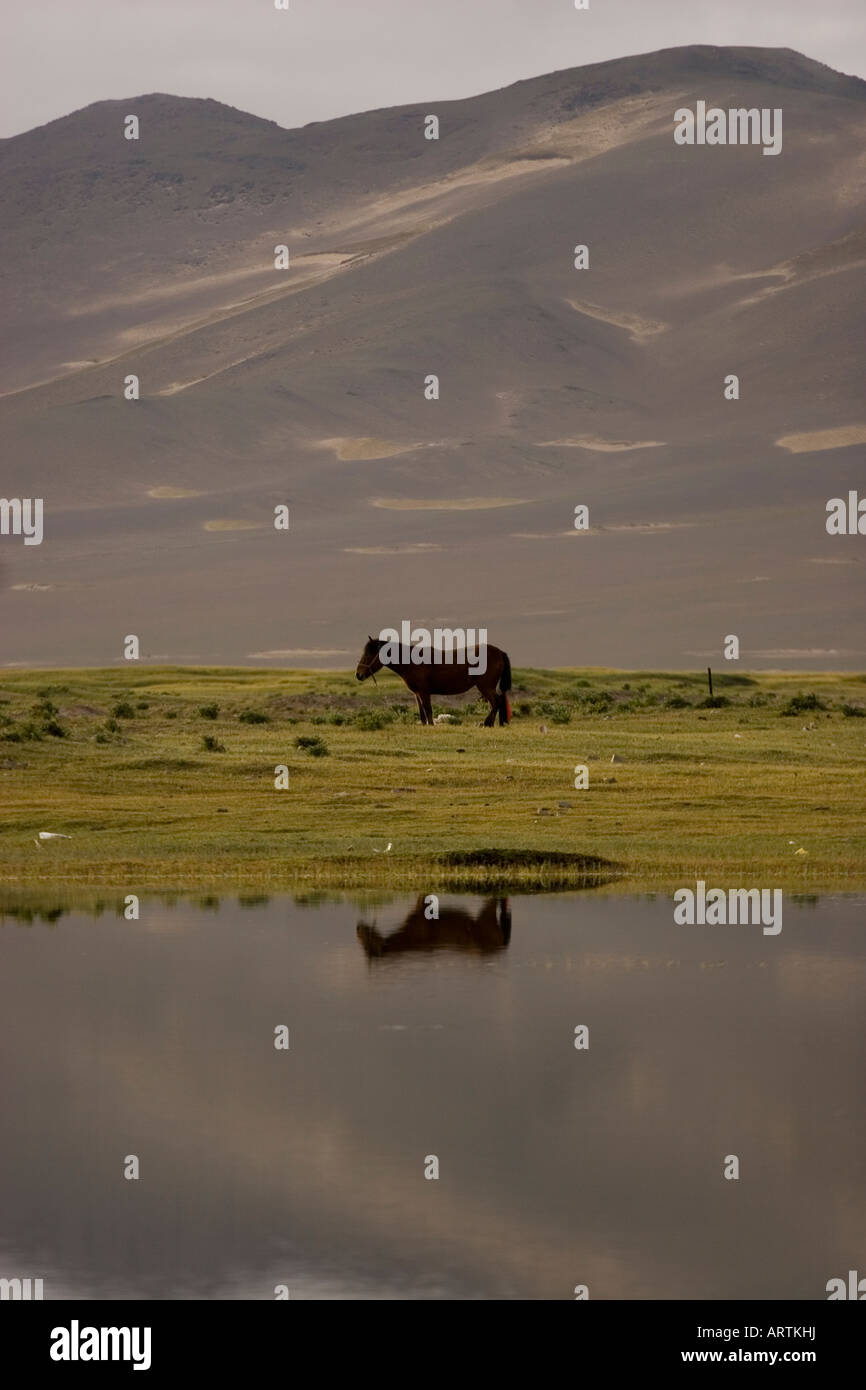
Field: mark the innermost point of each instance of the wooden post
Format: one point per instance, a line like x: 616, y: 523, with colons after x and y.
x: 710, y: 679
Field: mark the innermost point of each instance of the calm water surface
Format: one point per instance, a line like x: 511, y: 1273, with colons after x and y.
x: 411, y: 1038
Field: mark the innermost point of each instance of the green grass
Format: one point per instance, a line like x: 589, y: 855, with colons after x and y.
x: 158, y: 796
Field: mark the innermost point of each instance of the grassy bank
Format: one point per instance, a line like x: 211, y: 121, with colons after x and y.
x: 164, y: 779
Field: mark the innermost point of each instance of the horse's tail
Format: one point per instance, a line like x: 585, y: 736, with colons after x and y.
x: 504, y: 685
x: 505, y: 678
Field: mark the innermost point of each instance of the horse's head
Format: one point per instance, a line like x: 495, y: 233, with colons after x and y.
x: 370, y: 662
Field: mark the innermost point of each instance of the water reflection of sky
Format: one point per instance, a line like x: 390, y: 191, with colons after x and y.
x: 558, y: 1167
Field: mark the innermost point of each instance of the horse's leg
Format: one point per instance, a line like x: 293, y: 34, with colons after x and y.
x: 489, y: 694
x: 503, y: 679
x: 428, y: 706
x: 372, y: 941
x: 505, y: 920
x: 421, y: 711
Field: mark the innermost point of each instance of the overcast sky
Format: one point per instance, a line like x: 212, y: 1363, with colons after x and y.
x: 327, y: 58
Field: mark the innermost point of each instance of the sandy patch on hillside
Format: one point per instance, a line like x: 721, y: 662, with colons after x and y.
x: 833, y: 258
x: 163, y: 492
x: 494, y: 168
x: 601, y: 446
x: 634, y: 528
x: 261, y: 252
x: 491, y: 169
x: 349, y: 450
x: 420, y: 548
x: 175, y: 386
x: 650, y: 528
x: 624, y: 121
x: 458, y: 504
x: 166, y: 290
x: 231, y: 525
x: 836, y: 560
x: 638, y: 328
x: 552, y: 535
x: 33, y: 588
x: 297, y: 651
x: 815, y: 441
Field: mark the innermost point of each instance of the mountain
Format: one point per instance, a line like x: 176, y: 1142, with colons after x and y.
x: 557, y: 386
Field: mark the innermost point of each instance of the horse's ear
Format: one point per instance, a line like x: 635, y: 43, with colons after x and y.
x: 369, y: 638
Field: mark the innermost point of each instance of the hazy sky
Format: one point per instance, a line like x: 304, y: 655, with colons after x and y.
x: 327, y: 58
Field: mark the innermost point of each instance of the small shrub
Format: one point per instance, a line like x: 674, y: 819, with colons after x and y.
x: 801, y: 704
x: 123, y: 710
x: 554, y: 710
x: 373, y: 719
x: 44, y: 721
x: 251, y: 716
x: 713, y: 702
x: 171, y: 714
x: 524, y: 708
x: 548, y: 706
x: 677, y: 702
x: 601, y: 701
x: 209, y: 711
x: 853, y: 711
x: 142, y: 704
x: 560, y: 714
x: 312, y: 744
x: 29, y: 732
x: 212, y: 745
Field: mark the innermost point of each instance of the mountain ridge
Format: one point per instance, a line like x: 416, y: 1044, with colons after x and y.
x: 744, y: 61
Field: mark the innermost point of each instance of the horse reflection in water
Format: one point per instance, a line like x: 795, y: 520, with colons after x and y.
x: 455, y: 930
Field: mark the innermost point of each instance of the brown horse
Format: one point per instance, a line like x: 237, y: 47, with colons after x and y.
x: 454, y: 929
x: 446, y: 677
